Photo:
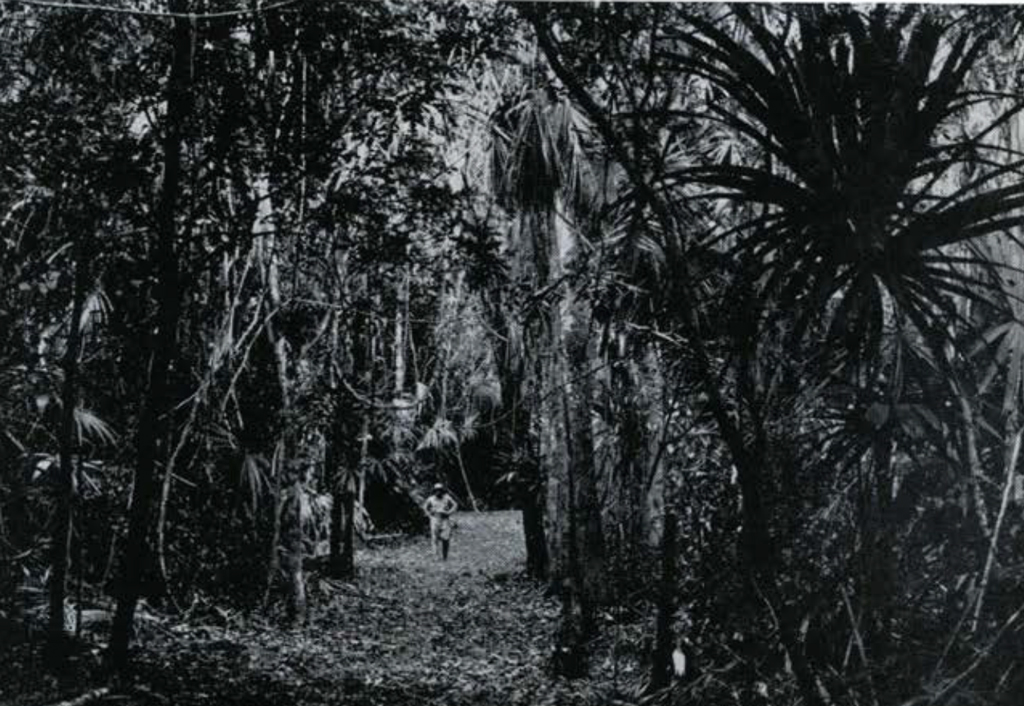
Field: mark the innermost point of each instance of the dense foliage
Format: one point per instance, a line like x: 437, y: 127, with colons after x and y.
x: 726, y: 299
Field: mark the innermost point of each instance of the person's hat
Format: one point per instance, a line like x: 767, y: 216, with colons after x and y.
x: 438, y: 486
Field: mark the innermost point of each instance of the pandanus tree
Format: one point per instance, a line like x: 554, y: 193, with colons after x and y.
x: 871, y: 185
x: 843, y: 179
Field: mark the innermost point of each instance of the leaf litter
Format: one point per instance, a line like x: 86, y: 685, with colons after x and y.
x: 408, y: 629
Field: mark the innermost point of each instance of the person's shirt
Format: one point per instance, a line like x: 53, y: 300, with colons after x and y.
x: 443, y: 505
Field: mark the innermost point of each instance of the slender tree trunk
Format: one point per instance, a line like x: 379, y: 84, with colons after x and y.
x: 532, y: 486
x: 631, y: 461
x: 292, y: 545
x: 532, y: 489
x: 163, y: 343
x: 661, y: 663
x: 344, y: 565
x: 165, y: 496
x: 882, y: 560
x: 274, y: 548
x: 465, y: 476
x: 401, y: 330
x: 292, y: 487
x: 521, y: 449
x: 61, y: 540
x: 344, y: 461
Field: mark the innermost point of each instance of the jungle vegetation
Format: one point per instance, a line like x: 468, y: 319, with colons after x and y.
x: 726, y: 300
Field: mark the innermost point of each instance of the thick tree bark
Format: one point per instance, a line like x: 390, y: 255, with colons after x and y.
x: 65, y: 492
x: 163, y: 343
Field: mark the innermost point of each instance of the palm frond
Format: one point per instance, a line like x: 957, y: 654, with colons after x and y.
x: 438, y: 436
x: 96, y: 310
x: 852, y: 116
x: 253, y: 479
x: 89, y: 425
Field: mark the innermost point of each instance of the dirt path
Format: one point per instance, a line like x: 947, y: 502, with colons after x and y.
x: 469, y: 626
x: 409, y: 629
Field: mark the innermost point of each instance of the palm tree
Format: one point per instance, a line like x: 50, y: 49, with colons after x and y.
x: 541, y: 171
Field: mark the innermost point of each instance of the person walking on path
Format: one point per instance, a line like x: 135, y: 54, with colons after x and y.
x: 439, y: 508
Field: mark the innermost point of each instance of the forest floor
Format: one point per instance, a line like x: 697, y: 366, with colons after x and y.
x: 409, y: 629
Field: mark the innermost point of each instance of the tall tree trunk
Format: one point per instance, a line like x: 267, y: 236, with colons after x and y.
x: 661, y: 662
x: 292, y: 485
x: 533, y: 527
x: 401, y: 330
x: 292, y: 541
x: 588, y: 537
x: 165, y: 496
x: 553, y: 377
x: 513, y: 432
x: 273, y: 550
x: 569, y: 381
x: 163, y: 343
x: 342, y: 563
x: 554, y: 457
x: 344, y: 461
x: 638, y: 433
x: 65, y: 491
x: 351, y: 445
x: 465, y: 476
x: 567, y: 449
x: 632, y: 444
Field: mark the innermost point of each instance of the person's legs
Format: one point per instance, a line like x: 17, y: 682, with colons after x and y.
x: 435, y: 538
x: 445, y: 534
